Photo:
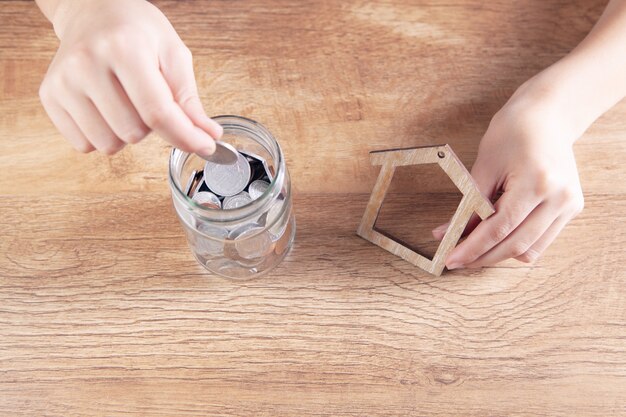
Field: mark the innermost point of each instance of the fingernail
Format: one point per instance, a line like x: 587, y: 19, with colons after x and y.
x: 454, y: 265
x: 453, y: 262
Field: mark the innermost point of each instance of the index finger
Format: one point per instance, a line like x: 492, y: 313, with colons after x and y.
x: 148, y: 91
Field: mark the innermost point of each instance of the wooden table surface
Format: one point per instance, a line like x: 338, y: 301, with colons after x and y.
x: 104, y: 312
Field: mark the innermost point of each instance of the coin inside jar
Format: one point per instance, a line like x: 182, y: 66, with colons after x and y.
x: 237, y: 200
x: 257, y: 188
x: 273, y: 218
x: 265, y: 169
x: 252, y: 241
x: 193, y: 185
x: 213, y: 243
x: 208, y: 200
x: 227, y: 180
x: 283, y: 241
x: 190, y: 183
x: 237, y: 226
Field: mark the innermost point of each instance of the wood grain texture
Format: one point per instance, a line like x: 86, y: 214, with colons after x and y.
x: 104, y: 312
x: 107, y: 314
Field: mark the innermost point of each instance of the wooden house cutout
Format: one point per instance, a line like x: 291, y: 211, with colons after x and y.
x: 472, y: 201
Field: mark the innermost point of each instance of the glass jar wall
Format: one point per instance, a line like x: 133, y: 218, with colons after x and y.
x: 236, y: 239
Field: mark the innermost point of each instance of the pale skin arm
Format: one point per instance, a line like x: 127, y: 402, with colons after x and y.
x: 122, y: 71
x: 527, y: 150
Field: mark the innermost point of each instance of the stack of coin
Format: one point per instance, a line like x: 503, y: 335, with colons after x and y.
x: 226, y: 187
x: 230, y: 186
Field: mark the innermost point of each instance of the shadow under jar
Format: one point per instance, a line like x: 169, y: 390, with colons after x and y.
x: 248, y: 240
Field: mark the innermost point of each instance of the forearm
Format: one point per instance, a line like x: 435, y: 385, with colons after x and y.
x: 592, y: 78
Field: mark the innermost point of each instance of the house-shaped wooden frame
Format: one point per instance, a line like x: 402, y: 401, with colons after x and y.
x: 472, y: 201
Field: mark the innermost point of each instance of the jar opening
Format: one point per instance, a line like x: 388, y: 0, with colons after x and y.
x: 247, y: 136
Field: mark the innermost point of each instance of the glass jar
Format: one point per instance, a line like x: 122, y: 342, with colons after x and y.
x: 244, y: 241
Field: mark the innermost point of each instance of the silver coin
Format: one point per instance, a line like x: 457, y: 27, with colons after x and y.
x: 227, y: 180
x: 190, y: 182
x: 224, y: 154
x: 257, y: 188
x: 269, y: 171
x: 252, y: 241
x: 207, y: 199
x: 212, y: 243
x: 200, y: 187
x: 278, y: 224
x: 212, y: 230
x: 193, y: 184
x: 237, y: 201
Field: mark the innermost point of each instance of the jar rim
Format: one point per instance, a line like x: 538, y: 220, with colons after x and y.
x: 274, y: 189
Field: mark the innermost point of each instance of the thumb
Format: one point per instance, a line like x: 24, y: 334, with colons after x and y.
x: 177, y: 69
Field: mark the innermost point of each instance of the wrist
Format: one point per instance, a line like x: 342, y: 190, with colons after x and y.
x: 67, y: 11
x: 580, y: 88
x: 537, y: 109
x: 567, y: 95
